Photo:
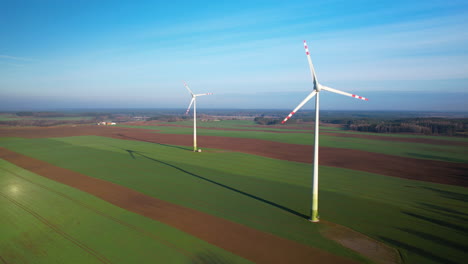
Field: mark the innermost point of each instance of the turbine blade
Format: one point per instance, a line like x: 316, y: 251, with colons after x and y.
x: 186, y: 86
x: 343, y: 93
x: 311, y: 66
x: 204, y: 94
x: 190, y: 105
x: 312, y: 94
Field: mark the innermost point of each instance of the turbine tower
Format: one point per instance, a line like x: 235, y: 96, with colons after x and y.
x: 314, y: 216
x: 194, y: 102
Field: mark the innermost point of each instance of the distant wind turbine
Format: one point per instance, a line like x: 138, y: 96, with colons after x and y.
x: 194, y: 102
x: 314, y: 216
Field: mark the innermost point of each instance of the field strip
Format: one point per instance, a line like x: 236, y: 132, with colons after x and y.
x: 399, y: 138
x: 56, y: 229
x: 63, y: 131
x: 389, y: 165
x: 375, y: 250
x: 271, y: 130
x: 249, y: 243
x: 91, y: 208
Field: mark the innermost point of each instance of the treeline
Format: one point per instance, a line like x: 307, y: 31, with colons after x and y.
x: 169, y: 118
x: 57, y: 114
x: 422, y: 125
x: 260, y: 120
x: 426, y: 126
x: 176, y: 118
x: 44, y: 122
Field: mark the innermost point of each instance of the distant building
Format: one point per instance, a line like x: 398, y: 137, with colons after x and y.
x: 104, y: 123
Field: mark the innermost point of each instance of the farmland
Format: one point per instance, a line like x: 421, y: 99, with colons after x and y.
x: 261, y: 189
x: 84, y: 228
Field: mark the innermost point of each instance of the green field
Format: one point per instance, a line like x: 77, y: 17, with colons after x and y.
x: 403, y: 149
x: 249, y: 124
x: 426, y: 222
x: 47, y: 222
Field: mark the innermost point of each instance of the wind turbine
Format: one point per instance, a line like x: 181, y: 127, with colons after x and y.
x: 194, y: 102
x: 314, y: 216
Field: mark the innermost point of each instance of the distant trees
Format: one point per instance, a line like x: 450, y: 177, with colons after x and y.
x: 43, y: 122
x: 426, y: 126
x: 266, y: 121
x: 169, y: 118
x: 24, y: 113
x: 43, y: 114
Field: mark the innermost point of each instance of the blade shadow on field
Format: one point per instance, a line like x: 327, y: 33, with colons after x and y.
x: 209, y: 257
x: 444, y: 209
x: 131, y: 153
x: 448, y: 194
x: 134, y: 153
x: 416, y: 250
x: 436, y: 239
x: 435, y: 157
x: 161, y: 144
x: 445, y: 224
x: 447, y: 212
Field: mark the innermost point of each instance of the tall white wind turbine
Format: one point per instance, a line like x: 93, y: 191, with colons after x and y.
x: 194, y: 102
x: 314, y: 216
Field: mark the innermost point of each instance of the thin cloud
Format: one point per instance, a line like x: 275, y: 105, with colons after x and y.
x: 14, y: 58
x: 11, y: 64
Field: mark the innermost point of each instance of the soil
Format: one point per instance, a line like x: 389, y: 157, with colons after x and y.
x: 324, y: 131
x: 373, y: 249
x: 409, y: 168
x: 249, y: 243
x: 433, y: 141
x: 142, y: 123
x: 252, y: 244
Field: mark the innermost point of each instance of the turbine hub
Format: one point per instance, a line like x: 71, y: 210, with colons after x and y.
x: 317, y: 87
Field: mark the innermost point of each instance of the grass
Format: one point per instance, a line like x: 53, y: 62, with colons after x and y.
x: 218, y: 124
x: 172, y: 174
x: 8, y: 118
x: 403, y: 149
x: 427, y: 222
x: 402, y: 135
x: 46, y: 222
x: 247, y: 124
x: 229, y: 124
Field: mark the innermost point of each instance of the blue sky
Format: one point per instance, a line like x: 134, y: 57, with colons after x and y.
x: 403, y: 55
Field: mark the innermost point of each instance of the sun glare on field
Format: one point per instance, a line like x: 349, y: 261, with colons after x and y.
x: 14, y: 189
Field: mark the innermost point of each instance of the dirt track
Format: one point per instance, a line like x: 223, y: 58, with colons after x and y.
x: 246, y: 242
x: 415, y: 169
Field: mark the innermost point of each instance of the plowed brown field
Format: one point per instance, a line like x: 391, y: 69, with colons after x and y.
x: 410, y: 168
x: 249, y: 243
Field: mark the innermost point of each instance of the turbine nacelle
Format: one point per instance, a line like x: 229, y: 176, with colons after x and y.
x: 317, y: 87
